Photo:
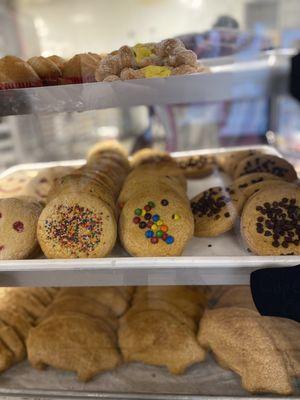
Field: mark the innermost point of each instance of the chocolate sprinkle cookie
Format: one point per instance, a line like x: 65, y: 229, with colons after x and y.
x: 266, y: 163
x: 216, y: 210
x: 270, y: 223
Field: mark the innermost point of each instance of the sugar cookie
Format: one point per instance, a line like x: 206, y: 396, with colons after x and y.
x: 18, y: 222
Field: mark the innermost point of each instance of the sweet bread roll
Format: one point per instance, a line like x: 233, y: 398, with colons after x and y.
x: 45, y: 68
x: 6, y: 357
x: 81, y: 67
x: 14, y: 69
x: 57, y: 60
x: 152, y: 304
x: 236, y: 296
x: 242, y: 341
x: 73, y: 342
x: 15, y: 319
x: 83, y: 305
x: 22, y: 299
x: 157, y: 338
x: 108, y: 296
x: 12, y: 341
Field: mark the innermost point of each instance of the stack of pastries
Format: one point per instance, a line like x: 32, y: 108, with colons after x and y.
x: 91, y: 330
x: 149, y: 60
x: 80, y: 217
x: 20, y: 308
x: 155, y: 215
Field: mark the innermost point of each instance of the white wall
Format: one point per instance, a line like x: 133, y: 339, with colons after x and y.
x: 66, y: 27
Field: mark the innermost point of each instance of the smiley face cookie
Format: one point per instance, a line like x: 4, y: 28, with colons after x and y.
x: 266, y: 163
x: 270, y: 222
x: 15, y: 184
x: 216, y: 210
x: 18, y: 222
x: 42, y: 183
x: 196, y: 166
x: 157, y: 224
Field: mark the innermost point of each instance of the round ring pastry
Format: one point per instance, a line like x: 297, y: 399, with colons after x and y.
x: 270, y: 223
x: 266, y: 163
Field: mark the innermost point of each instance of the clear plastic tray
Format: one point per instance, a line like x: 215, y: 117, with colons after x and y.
x: 225, y: 261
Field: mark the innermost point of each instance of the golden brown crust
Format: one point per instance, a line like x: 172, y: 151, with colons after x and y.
x: 45, y: 68
x: 80, y: 66
x: 16, y: 70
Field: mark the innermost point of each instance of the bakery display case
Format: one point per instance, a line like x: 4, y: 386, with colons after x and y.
x: 143, y: 183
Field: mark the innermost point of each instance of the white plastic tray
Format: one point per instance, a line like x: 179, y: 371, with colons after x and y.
x: 225, y: 262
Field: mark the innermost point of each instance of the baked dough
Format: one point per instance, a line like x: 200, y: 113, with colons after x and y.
x: 110, y: 297
x: 157, y: 338
x: 257, y: 348
x: 73, y: 342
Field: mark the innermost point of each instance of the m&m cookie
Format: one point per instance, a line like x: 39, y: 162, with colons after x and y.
x: 160, y: 224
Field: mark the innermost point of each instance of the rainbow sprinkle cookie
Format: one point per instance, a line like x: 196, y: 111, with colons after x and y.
x: 70, y: 227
